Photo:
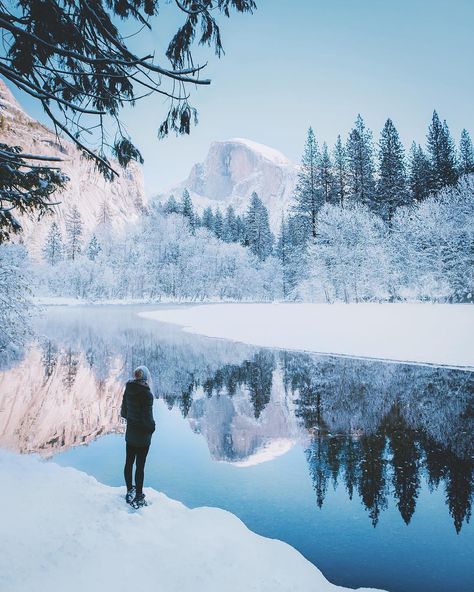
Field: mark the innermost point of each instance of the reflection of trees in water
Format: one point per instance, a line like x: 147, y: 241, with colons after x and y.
x: 377, y: 429
x: 425, y: 427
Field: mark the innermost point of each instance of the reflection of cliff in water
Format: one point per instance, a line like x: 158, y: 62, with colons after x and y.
x: 379, y: 430
x: 54, y: 400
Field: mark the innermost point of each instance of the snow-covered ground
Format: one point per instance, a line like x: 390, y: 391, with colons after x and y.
x: 440, y: 334
x: 63, y: 530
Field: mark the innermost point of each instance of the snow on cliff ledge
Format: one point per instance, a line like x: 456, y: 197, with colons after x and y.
x: 232, y: 171
x: 65, y: 531
x: 438, y: 334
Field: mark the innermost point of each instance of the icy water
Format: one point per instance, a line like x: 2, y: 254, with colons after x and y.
x: 367, y: 468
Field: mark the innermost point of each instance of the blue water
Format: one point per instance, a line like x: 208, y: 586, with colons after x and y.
x: 399, y: 437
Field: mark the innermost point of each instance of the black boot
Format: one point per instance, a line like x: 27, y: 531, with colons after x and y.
x: 139, y: 501
x: 130, y: 495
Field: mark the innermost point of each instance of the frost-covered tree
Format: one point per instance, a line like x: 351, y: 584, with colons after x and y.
x: 74, y: 226
x: 466, y: 154
x: 53, y: 249
x: 442, y: 155
x: 208, y: 219
x: 187, y: 209
x: 392, y: 190
x: 258, y: 236
x: 218, y: 226
x: 93, y: 248
x: 360, y: 165
x: 230, y: 234
x: 171, y: 206
x: 308, y: 194
x: 420, y: 173
x: 104, y: 214
x: 15, y: 303
x: 326, y: 176
x: 340, y: 172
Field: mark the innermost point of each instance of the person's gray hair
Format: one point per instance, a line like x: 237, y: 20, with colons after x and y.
x: 142, y: 373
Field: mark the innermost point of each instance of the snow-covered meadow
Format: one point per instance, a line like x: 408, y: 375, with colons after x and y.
x: 438, y: 334
x: 63, y: 530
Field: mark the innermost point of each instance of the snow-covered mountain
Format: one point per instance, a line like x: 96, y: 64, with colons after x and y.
x: 87, y: 189
x: 235, y: 168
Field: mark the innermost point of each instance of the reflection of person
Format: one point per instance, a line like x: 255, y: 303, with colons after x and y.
x: 137, y: 409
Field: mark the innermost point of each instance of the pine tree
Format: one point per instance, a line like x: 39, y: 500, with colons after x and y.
x: 340, y: 172
x: 420, y: 173
x: 308, y: 195
x: 187, y: 209
x: 218, y: 226
x: 240, y: 228
x: 392, y: 187
x: 466, y: 154
x: 53, y: 250
x: 326, y: 178
x: 442, y: 155
x: 208, y: 219
x: 283, y: 251
x: 93, y: 248
x: 359, y: 151
x: 171, y: 206
x: 230, y: 233
x: 74, y: 226
x: 105, y: 214
x: 258, y: 236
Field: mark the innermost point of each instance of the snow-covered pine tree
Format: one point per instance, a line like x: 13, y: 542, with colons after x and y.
x: 466, y: 154
x: 93, y: 248
x: 74, y: 225
x: 442, y: 155
x: 171, y: 206
x: 240, y: 227
x: 230, y: 226
x: 326, y: 177
x: 258, y: 236
x: 208, y: 219
x: 187, y: 209
x: 340, y: 172
x: 308, y: 194
x: 420, y: 173
x: 392, y: 189
x: 218, y: 226
x: 105, y: 214
x: 359, y: 150
x: 53, y: 249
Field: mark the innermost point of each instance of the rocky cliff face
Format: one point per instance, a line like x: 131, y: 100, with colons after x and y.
x: 87, y: 189
x: 233, y: 170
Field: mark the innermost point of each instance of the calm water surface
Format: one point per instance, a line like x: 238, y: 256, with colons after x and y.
x: 367, y: 468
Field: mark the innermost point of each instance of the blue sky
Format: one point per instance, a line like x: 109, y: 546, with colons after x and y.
x: 298, y: 63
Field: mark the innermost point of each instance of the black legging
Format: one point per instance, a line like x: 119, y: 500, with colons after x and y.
x: 139, y: 453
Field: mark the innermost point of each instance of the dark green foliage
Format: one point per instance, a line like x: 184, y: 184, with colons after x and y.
x: 359, y: 150
x: 420, y: 173
x: 466, y: 154
x: 258, y: 236
x: 442, y: 155
x: 340, y: 172
x: 392, y: 190
x: 308, y: 194
x: 26, y: 187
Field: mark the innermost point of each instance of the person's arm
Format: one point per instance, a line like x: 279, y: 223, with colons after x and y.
x: 123, y: 410
x: 148, y: 420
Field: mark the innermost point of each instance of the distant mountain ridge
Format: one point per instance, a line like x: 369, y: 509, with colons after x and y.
x: 232, y: 170
x: 87, y: 189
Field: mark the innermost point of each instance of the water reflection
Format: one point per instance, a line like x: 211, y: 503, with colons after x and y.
x: 377, y: 430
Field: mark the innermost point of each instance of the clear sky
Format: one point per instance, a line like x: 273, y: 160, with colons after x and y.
x: 296, y: 63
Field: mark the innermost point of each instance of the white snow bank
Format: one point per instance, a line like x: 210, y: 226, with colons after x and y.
x: 62, y: 530
x: 440, y: 334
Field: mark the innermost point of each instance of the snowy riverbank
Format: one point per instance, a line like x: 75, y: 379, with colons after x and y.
x: 63, y: 530
x: 438, y: 334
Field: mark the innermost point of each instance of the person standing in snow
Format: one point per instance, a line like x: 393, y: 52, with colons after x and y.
x: 137, y: 409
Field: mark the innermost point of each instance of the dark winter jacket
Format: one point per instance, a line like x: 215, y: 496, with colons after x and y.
x: 137, y: 409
